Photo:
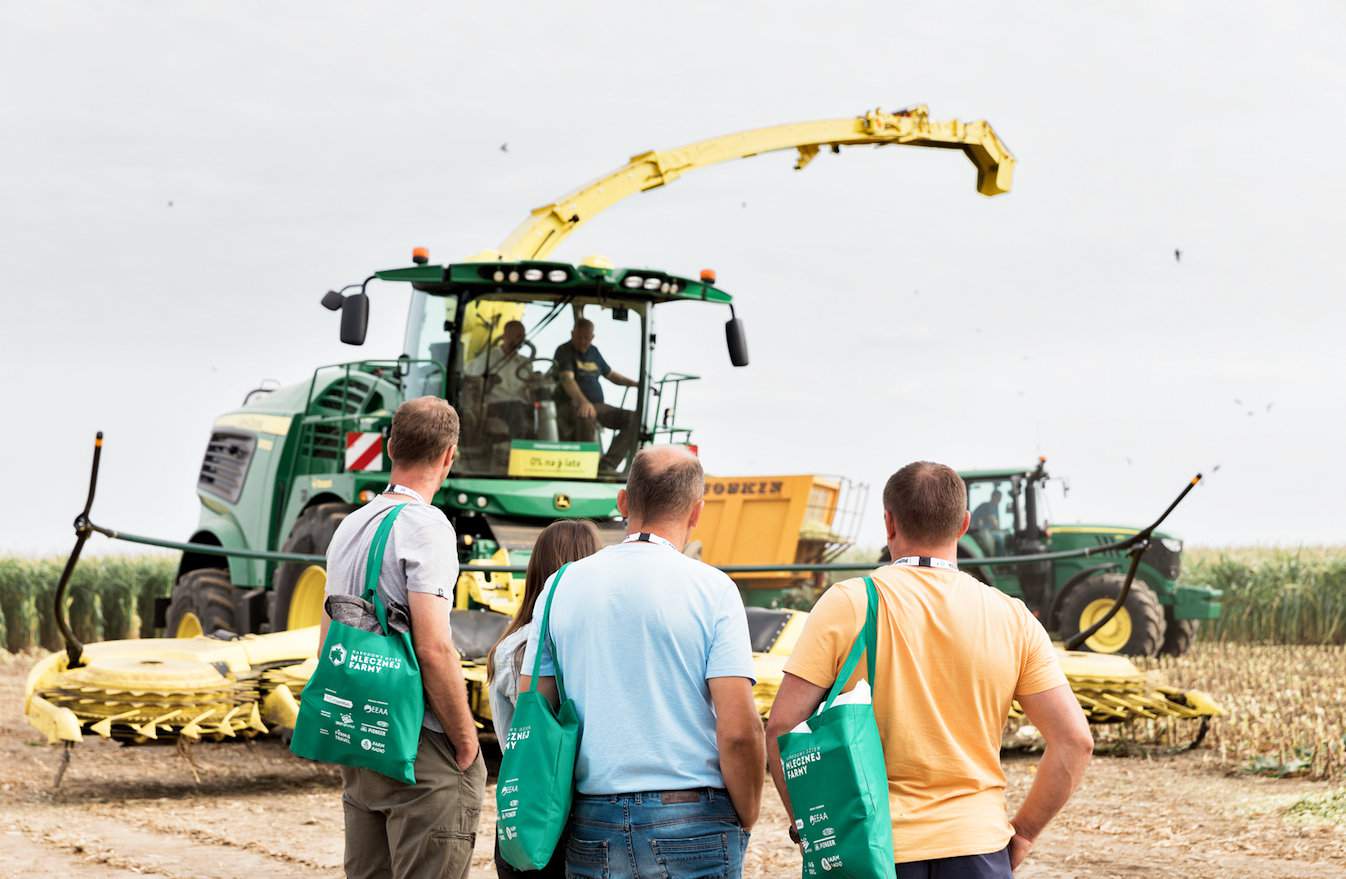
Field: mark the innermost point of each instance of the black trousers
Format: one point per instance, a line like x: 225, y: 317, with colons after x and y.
x: 996, y: 865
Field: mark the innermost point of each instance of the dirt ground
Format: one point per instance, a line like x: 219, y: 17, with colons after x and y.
x: 255, y: 810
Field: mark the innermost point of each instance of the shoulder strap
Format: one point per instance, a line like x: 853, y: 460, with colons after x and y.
x: 866, y: 641
x: 544, y: 636
x: 374, y: 565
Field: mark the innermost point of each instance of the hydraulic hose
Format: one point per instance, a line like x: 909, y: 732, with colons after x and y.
x: 84, y: 526
x: 74, y: 649
x: 1139, y: 543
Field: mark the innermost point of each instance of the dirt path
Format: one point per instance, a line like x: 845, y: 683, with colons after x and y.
x: 257, y: 811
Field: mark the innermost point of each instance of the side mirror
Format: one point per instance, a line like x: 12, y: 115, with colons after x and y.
x: 737, y: 342
x: 331, y: 300
x: 355, y: 318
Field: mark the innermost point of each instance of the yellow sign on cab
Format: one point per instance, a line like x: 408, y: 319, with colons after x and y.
x: 551, y: 460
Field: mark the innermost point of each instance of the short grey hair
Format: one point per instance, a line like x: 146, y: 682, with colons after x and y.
x: 662, y: 484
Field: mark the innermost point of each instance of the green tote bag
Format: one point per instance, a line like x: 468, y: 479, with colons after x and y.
x: 837, y: 778
x: 537, y: 766
x: 364, y: 704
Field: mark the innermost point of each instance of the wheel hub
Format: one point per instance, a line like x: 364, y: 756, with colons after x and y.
x: 1113, y: 636
x: 307, y: 599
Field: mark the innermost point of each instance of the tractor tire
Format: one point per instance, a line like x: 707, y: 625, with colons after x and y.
x: 202, y: 603
x: 311, y: 534
x: 1137, y: 629
x: 1179, y: 636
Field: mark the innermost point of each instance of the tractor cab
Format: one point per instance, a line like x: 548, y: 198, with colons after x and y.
x: 1007, y: 508
x: 551, y: 367
x: 1006, y: 515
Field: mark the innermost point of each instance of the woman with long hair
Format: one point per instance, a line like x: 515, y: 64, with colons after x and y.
x: 558, y: 544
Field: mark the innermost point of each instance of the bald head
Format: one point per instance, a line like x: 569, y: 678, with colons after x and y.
x: 665, y: 482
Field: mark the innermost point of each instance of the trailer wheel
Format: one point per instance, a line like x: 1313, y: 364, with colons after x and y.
x: 298, y: 588
x: 1137, y: 629
x: 1179, y: 636
x: 202, y: 603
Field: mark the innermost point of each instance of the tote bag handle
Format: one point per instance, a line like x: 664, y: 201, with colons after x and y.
x: 866, y: 641
x: 374, y: 565
x: 544, y: 636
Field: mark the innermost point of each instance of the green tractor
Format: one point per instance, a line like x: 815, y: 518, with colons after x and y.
x: 1159, y: 617
x: 284, y: 469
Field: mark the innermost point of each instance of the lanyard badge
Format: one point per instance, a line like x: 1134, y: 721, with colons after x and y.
x: 925, y: 561
x: 394, y: 488
x: 647, y: 537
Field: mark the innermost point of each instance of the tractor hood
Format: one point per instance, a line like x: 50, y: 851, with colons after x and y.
x: 1113, y: 532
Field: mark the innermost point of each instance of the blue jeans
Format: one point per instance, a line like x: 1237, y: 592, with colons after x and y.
x: 661, y: 835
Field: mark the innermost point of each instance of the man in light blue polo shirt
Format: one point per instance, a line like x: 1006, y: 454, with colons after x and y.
x: 654, y: 646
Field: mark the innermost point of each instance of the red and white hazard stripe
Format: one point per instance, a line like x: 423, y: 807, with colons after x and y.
x: 364, y: 451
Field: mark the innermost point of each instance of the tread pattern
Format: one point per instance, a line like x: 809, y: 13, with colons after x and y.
x: 1179, y: 636
x: 311, y: 534
x: 207, y: 593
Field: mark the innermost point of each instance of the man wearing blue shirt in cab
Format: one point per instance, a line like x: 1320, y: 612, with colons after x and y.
x: 655, y: 652
x: 579, y: 398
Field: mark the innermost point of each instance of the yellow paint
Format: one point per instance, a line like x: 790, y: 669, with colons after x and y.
x: 549, y: 225
x: 1113, y: 636
x: 278, y: 425
x: 763, y: 520
x: 1086, y: 529
x: 553, y: 460
x: 189, y: 626
x: 307, y: 599
x: 315, y: 482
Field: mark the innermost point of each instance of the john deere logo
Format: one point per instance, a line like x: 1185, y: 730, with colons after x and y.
x: 561, y: 501
x: 337, y: 655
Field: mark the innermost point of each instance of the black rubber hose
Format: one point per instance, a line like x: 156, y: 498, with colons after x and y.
x: 1080, y: 637
x: 1139, y: 543
x: 74, y: 650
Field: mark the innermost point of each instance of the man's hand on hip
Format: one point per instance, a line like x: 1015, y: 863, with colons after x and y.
x: 1019, y: 848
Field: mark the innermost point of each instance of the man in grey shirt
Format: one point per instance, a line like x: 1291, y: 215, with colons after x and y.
x: 426, y: 829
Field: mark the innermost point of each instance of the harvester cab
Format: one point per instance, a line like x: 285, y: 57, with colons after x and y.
x: 1159, y: 616
x: 551, y: 368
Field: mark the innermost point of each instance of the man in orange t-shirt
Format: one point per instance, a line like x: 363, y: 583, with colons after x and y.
x: 953, y: 654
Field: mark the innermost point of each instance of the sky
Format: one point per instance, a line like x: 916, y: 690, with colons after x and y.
x: 180, y: 182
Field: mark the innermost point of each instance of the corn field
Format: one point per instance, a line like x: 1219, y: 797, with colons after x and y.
x: 1274, y: 596
x: 1285, y: 708
x: 110, y: 597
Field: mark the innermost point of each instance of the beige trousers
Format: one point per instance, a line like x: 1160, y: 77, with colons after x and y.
x: 424, y: 830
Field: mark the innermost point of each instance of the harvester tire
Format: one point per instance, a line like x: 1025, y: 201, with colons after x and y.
x: 1179, y: 636
x: 1137, y: 630
x: 203, y: 597
x: 311, y: 534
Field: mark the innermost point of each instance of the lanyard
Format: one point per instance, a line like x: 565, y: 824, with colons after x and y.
x: 925, y: 561
x: 394, y: 488
x: 647, y: 537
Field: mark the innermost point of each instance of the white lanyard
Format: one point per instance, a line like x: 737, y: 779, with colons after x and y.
x: 647, y: 537
x: 394, y: 488
x: 925, y: 561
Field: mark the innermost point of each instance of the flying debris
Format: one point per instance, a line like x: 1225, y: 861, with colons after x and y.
x: 1177, y: 255
x: 504, y: 147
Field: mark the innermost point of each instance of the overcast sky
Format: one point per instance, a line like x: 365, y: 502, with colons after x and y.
x: 181, y: 181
